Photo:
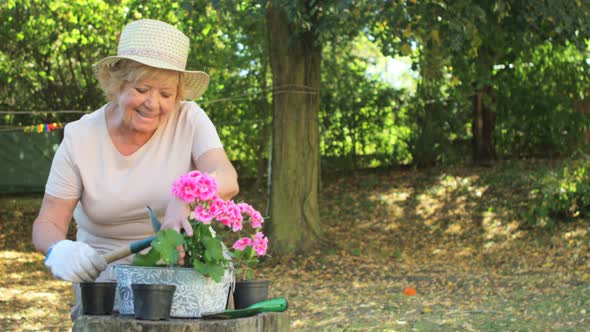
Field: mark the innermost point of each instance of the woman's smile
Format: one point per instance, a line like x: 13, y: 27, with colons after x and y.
x: 147, y: 114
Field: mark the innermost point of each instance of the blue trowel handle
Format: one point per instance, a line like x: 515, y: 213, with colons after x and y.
x: 133, y: 248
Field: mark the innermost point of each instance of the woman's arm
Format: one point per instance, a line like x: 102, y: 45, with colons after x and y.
x: 216, y: 163
x: 69, y: 260
x: 53, y: 221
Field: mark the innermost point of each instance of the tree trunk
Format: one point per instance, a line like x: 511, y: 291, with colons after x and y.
x: 265, y: 128
x: 294, y: 224
x: 484, y: 150
x: 583, y: 106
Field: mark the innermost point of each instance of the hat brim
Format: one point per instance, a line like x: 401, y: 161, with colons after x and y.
x: 195, y: 82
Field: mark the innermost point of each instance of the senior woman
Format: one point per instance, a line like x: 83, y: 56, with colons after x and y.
x: 114, y: 162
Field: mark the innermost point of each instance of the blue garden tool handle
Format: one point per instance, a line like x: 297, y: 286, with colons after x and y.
x: 133, y: 248
x: 154, y: 220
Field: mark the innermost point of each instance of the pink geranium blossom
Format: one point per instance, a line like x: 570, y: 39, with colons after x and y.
x: 211, y: 214
x: 256, y: 219
x: 242, y: 243
x: 203, y: 215
x: 231, y: 216
x: 260, y: 244
x: 185, y: 188
x: 216, y: 206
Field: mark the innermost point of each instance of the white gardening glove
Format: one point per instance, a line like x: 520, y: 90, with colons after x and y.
x: 74, y: 261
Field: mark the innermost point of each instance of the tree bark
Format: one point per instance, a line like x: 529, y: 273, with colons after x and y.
x: 265, y: 128
x: 484, y: 150
x: 294, y: 224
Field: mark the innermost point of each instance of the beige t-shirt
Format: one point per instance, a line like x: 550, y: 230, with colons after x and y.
x: 114, y: 190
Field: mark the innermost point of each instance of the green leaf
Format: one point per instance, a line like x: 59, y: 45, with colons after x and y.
x: 166, y: 243
x: 213, y: 251
x: 216, y: 272
x: 150, y: 259
x: 250, y: 274
x: 212, y: 270
x: 201, y: 267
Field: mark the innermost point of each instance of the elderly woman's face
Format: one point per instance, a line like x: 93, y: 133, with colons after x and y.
x: 146, y: 103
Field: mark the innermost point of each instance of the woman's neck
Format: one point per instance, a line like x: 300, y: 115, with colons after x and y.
x: 121, y: 132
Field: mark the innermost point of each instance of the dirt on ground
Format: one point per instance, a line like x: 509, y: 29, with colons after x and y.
x: 444, y: 249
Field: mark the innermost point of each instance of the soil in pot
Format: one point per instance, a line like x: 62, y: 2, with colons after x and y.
x: 248, y: 292
x: 152, y: 301
x: 98, y: 297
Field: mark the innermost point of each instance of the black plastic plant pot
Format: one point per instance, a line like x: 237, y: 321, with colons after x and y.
x: 98, y: 297
x: 152, y: 302
x: 248, y: 292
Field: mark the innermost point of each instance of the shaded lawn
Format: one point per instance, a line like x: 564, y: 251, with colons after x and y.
x: 456, y: 235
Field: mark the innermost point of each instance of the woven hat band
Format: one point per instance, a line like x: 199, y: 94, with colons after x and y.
x: 156, y: 40
x: 155, y: 54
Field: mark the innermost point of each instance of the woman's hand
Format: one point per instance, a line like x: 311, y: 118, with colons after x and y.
x: 176, y: 217
x: 74, y: 261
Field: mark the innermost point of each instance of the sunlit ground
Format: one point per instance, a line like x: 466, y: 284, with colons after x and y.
x: 30, y: 299
x: 454, y: 236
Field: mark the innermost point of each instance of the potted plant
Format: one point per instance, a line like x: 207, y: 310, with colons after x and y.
x: 249, y: 290
x: 204, y: 281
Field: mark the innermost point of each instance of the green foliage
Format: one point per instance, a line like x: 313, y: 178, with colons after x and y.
x: 358, y: 111
x: 246, y: 261
x: 562, y: 195
x: 460, y: 42
x: 204, y: 252
x: 163, y: 251
x: 47, y: 49
x: 536, y: 98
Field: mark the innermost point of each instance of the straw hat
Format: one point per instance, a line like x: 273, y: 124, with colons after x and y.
x: 160, y: 45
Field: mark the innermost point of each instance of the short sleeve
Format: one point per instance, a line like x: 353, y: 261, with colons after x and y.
x: 205, y: 135
x: 64, y: 177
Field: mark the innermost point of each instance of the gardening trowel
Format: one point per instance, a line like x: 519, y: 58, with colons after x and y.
x: 134, y: 247
x: 155, y: 222
x: 278, y: 304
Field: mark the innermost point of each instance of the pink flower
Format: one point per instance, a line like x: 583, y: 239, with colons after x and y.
x: 185, y: 188
x: 206, y: 187
x: 231, y: 216
x: 245, y: 208
x: 236, y: 226
x: 216, y: 206
x: 256, y: 219
x: 242, y: 243
x: 194, y: 174
x: 260, y: 244
x: 203, y: 215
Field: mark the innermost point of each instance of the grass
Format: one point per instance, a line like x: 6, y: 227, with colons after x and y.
x: 456, y: 235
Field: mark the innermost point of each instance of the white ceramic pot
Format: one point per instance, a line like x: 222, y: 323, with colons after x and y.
x: 194, y: 293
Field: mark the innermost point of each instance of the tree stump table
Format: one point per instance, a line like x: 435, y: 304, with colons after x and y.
x: 263, y: 322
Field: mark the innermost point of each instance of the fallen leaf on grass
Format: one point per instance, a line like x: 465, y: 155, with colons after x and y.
x: 409, y: 291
